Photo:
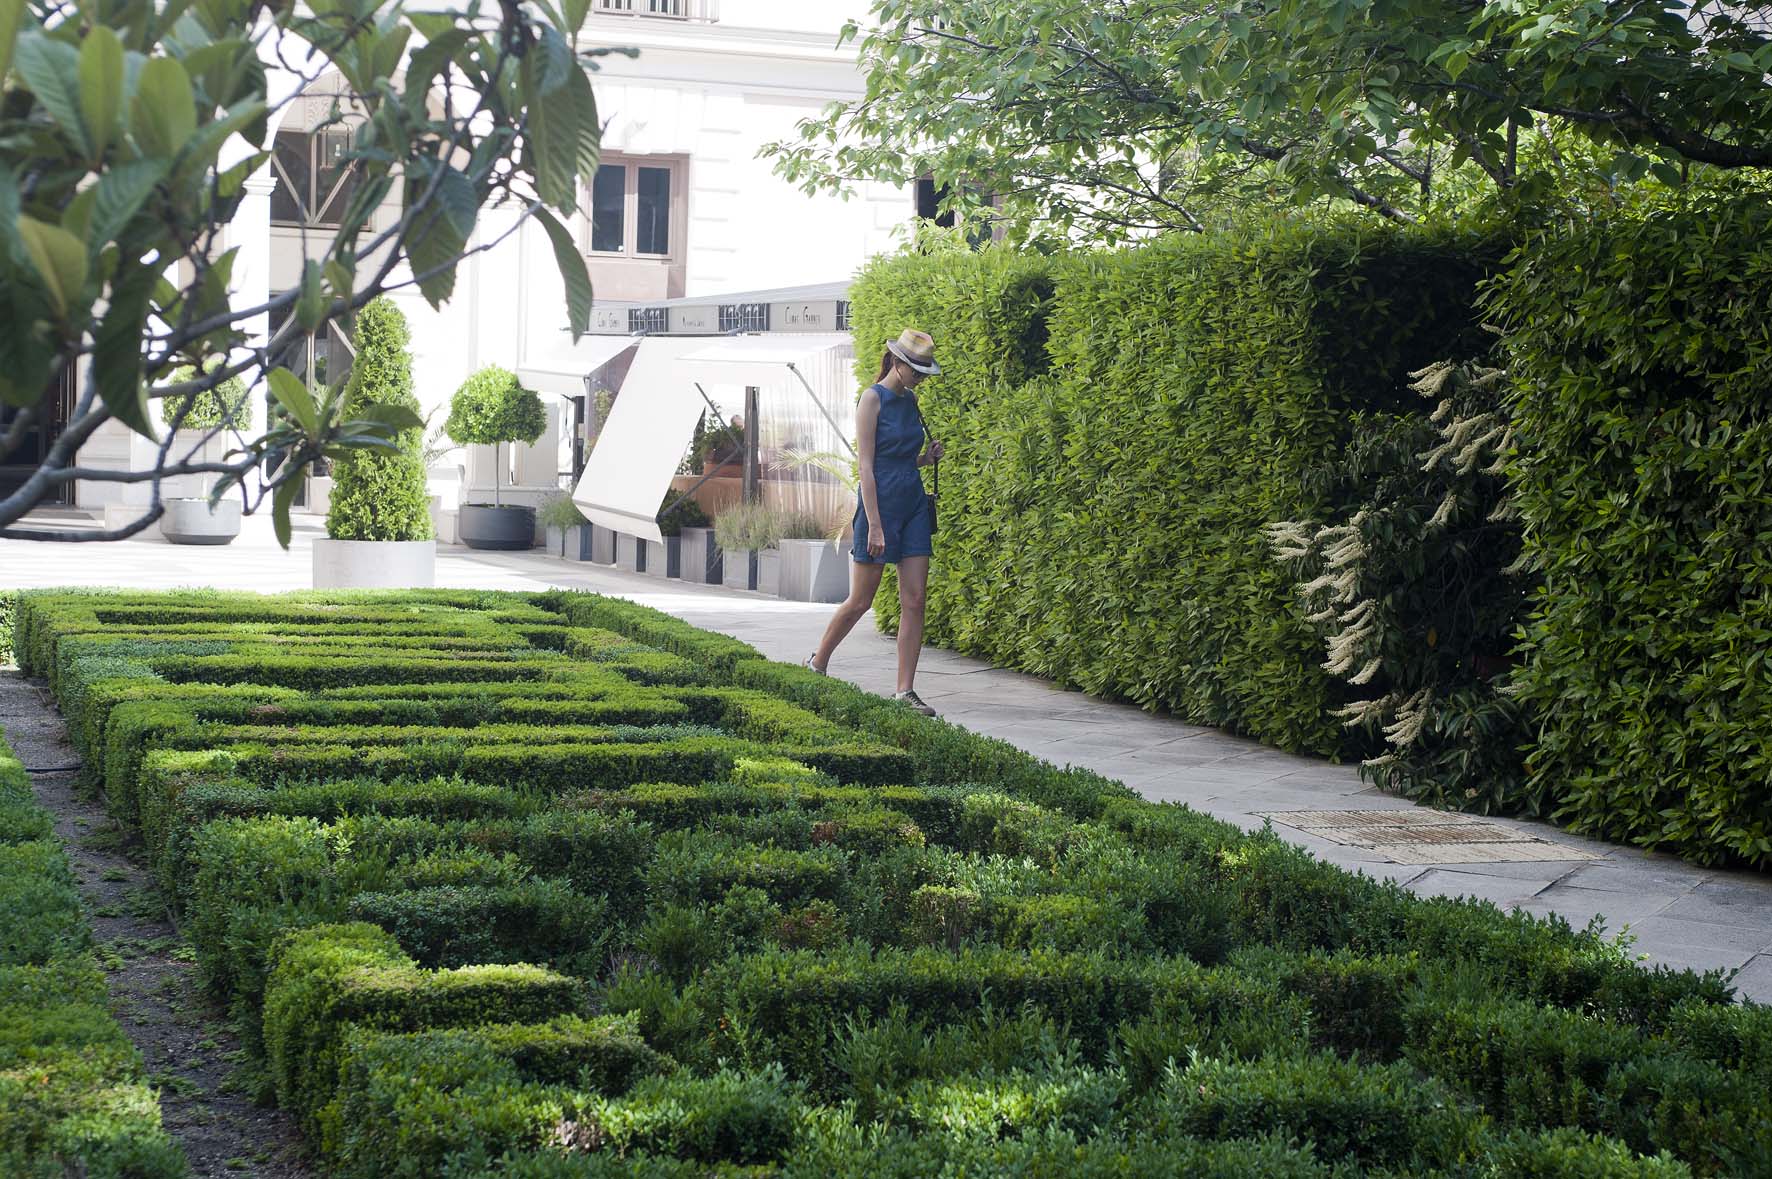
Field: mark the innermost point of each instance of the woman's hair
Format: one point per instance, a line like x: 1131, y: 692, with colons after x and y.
x: 885, y: 366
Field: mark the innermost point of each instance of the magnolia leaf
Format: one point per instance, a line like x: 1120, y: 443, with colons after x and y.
x: 396, y: 419
x: 51, y: 69
x: 101, y: 86
x: 120, y: 195
x: 12, y: 16
x: 116, y: 356
x: 311, y: 305
x: 573, y: 270
x: 281, y: 502
x: 60, y: 259
x: 295, y: 398
x: 164, y: 116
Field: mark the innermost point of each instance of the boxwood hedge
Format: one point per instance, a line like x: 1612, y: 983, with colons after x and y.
x: 73, y: 1097
x: 810, y: 932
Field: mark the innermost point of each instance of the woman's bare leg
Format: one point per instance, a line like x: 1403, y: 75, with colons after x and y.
x: 864, y: 583
x: 913, y: 588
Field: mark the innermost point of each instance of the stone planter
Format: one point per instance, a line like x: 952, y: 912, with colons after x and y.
x: 574, y: 544
x: 700, y: 556
x: 375, y: 564
x: 751, y: 570
x: 738, y: 569
x: 814, y: 571
x: 319, y: 497
x: 193, y: 521
x: 630, y: 553
x: 488, y: 526
x: 602, y: 544
x: 664, y: 559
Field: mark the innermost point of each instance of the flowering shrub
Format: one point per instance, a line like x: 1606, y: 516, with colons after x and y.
x: 1418, y: 591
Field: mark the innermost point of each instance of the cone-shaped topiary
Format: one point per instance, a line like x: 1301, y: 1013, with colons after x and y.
x: 492, y: 408
x: 380, y: 494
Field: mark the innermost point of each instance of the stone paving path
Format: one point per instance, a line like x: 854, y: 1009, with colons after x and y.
x: 1679, y: 915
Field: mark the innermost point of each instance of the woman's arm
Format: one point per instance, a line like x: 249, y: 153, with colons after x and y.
x: 867, y: 422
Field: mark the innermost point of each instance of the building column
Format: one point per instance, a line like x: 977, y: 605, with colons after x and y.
x: 250, y: 233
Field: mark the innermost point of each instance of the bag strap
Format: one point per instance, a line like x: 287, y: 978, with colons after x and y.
x: 935, y: 465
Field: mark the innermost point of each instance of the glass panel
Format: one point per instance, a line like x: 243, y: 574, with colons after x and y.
x: 289, y: 198
x: 608, y: 192
x: 337, y: 176
x: 653, y: 228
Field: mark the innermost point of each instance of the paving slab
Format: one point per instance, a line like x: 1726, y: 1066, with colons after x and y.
x: 1696, y: 916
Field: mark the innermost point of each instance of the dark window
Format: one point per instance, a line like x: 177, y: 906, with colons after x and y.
x: 929, y: 198
x: 315, y: 176
x: 608, y: 199
x: 653, y: 205
x: 647, y: 319
x: 744, y: 317
x: 842, y: 315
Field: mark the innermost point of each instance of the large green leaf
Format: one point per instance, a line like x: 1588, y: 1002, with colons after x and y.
x: 572, y: 269
x: 294, y: 397
x: 121, y: 193
x: 51, y: 69
x: 165, y: 113
x: 311, y: 305
x: 101, y: 86
x: 12, y: 17
x: 60, y: 259
x: 116, y: 356
x: 281, y: 502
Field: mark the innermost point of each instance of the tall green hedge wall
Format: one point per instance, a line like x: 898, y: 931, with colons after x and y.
x: 1641, y: 353
x: 1120, y: 426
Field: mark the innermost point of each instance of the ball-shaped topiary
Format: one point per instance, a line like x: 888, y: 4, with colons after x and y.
x: 491, y: 408
x: 380, y: 494
x: 224, y: 405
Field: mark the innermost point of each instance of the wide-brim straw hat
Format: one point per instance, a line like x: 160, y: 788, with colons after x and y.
x: 916, y: 349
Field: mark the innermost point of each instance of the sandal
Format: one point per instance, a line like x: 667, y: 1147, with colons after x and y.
x: 811, y: 666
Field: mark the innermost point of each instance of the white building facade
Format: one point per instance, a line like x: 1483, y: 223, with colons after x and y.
x: 681, y: 207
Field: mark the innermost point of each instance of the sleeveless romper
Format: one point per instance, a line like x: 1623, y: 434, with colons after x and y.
x: 904, y: 509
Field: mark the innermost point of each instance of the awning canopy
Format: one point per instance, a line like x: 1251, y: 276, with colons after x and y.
x: 563, y: 371
x: 653, y: 419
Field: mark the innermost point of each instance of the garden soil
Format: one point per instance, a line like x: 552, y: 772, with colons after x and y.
x: 186, y: 1042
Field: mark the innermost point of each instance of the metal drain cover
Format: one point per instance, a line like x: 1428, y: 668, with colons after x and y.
x: 1421, y: 836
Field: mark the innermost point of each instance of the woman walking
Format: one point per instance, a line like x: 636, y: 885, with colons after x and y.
x: 895, y: 521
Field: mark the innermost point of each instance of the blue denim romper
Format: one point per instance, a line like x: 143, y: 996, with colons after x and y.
x: 904, y: 509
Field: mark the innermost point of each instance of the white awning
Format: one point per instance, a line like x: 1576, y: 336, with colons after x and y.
x: 563, y: 371
x: 653, y: 419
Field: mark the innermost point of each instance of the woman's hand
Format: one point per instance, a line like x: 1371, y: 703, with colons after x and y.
x: 876, y: 539
x: 933, y: 452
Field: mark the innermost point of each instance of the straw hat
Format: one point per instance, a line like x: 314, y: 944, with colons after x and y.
x: 916, y: 349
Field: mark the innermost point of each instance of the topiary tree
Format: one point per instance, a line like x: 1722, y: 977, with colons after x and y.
x: 206, y: 409
x: 492, y: 408
x: 379, y: 493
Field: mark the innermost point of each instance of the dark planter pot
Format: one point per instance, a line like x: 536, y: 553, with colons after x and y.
x: 487, y: 526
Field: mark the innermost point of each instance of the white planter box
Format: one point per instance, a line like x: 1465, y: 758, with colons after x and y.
x: 769, y: 571
x: 319, y: 495
x: 664, y: 560
x: 701, y: 556
x: 374, y: 564
x: 737, y: 571
x: 602, y: 544
x: 193, y: 521
x: 814, y: 571
x: 630, y: 553
x: 572, y: 544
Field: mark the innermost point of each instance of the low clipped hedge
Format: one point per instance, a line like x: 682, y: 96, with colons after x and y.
x: 1641, y: 357
x: 1119, y: 428
x: 808, y: 932
x: 72, y: 1093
